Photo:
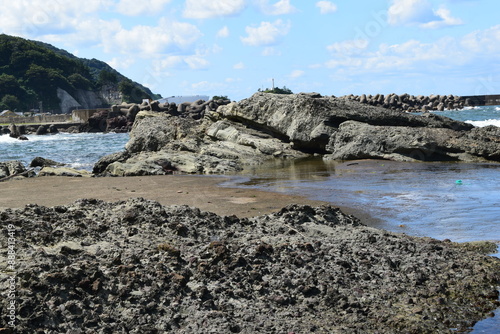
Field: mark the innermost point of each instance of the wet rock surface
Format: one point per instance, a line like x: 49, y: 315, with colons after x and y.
x: 139, y: 267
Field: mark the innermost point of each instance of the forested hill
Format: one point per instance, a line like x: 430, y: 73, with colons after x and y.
x: 32, y: 72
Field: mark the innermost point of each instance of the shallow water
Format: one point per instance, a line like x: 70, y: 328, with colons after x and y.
x: 421, y: 199
x: 456, y: 201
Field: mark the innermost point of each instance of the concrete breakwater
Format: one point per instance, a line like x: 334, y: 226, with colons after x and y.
x: 39, y: 119
x: 421, y: 103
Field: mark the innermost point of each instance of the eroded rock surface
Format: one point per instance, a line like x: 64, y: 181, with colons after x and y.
x: 139, y: 267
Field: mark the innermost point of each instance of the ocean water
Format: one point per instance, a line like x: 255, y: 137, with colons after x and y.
x: 477, y: 116
x: 80, y: 151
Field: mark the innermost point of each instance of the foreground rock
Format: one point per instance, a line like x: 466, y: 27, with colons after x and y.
x: 139, y: 267
x: 13, y: 168
x: 63, y: 171
x: 270, y: 126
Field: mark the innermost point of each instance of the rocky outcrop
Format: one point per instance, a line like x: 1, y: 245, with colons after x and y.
x: 163, y: 144
x: 139, y: 267
x: 268, y: 126
x: 356, y: 140
x: 308, y: 120
x: 13, y: 168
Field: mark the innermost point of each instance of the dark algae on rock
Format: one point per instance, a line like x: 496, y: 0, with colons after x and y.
x: 136, y: 266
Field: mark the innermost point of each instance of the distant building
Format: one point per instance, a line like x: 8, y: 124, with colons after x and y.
x: 186, y: 98
x: 8, y: 113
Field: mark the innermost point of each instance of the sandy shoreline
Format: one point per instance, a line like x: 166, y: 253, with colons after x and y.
x: 202, y: 192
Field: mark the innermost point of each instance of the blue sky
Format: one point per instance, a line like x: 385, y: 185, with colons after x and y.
x: 234, y: 47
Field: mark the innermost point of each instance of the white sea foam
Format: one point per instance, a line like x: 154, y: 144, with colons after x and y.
x: 487, y: 122
x: 7, y: 139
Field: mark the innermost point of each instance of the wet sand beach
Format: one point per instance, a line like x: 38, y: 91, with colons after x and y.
x: 202, y: 192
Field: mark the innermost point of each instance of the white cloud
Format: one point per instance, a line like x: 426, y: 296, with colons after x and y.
x: 441, y: 56
x: 39, y: 17
x: 486, y: 42
x: 410, y: 11
x: 326, y: 7
x: 120, y: 63
x: 267, y: 34
x: 239, y: 66
x: 134, y: 7
x: 445, y: 20
x: 349, y: 47
x: 204, y: 9
x: 281, y: 7
x: 223, y: 32
x: 207, y: 87
x: 421, y: 13
x: 270, y: 51
x: 194, y: 62
x: 197, y: 62
x: 297, y: 74
x: 149, y: 41
x: 410, y: 56
x: 166, y: 63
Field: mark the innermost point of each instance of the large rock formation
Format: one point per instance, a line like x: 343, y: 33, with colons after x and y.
x: 139, y: 267
x: 267, y: 126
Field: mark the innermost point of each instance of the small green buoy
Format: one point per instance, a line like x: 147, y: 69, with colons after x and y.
x: 459, y: 182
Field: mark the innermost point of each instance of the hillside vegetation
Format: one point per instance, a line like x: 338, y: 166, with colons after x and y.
x: 31, y: 73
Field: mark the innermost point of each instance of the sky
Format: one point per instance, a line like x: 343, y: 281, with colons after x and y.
x: 235, y: 47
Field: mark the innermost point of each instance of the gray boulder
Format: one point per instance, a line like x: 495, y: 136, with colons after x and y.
x: 42, y: 162
x: 356, y: 140
x: 11, y: 168
x: 42, y: 130
x: 156, y: 130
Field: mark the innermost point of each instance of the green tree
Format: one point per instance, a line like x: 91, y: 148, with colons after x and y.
x: 277, y: 90
x: 78, y: 81
x: 220, y: 97
x: 131, y: 92
x: 10, y: 102
x: 9, y: 85
x: 107, y: 77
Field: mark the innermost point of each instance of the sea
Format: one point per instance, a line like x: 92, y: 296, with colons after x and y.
x: 442, y: 200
